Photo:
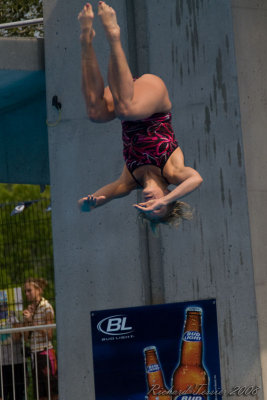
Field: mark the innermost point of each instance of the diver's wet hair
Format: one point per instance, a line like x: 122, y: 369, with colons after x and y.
x: 178, y: 211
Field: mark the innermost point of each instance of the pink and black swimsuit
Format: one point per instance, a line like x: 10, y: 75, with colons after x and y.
x: 149, y: 141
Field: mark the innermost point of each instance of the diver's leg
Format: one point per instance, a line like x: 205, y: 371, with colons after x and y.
x: 132, y: 100
x: 92, y: 80
x: 119, y: 75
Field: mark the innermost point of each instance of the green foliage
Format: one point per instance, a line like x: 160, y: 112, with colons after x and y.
x: 26, y: 244
x: 16, y: 193
x: 19, y: 10
x: 26, y: 238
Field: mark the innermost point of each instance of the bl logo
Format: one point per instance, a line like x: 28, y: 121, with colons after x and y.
x: 114, y: 325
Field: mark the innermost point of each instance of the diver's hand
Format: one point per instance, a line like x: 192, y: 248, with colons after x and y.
x: 87, y: 204
x: 150, y: 205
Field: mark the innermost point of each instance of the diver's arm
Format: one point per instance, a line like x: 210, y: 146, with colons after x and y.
x: 188, y: 179
x: 119, y: 188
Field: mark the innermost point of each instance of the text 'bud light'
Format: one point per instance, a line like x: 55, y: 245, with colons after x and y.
x: 192, y: 336
x: 153, y: 368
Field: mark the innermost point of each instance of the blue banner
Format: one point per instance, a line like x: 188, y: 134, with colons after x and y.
x: 124, y: 340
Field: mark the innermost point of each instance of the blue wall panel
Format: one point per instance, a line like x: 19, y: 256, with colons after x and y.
x: 23, y: 130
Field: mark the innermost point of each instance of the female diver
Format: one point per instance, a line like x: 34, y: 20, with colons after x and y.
x: 153, y: 159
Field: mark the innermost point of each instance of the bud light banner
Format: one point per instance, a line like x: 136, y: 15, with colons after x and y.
x: 161, y: 352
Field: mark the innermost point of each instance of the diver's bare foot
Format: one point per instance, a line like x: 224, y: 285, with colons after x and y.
x: 109, y: 21
x: 86, y: 17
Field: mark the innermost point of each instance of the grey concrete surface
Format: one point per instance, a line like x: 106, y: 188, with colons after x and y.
x: 104, y: 259
x: 249, y: 4
x: 213, y: 253
x: 99, y: 251
x: 250, y: 29
x: 26, y: 54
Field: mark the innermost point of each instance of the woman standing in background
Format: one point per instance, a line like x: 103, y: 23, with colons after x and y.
x: 40, y: 312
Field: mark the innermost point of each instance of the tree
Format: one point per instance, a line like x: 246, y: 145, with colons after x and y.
x: 19, y: 10
x: 25, y: 238
x: 26, y: 244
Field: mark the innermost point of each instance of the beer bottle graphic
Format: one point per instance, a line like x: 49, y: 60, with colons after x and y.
x: 190, y: 380
x: 157, y: 389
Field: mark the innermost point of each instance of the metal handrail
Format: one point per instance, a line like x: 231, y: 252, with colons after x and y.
x: 9, y: 25
x: 27, y: 328
x: 33, y: 353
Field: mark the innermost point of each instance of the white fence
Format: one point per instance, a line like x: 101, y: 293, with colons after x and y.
x: 12, y: 342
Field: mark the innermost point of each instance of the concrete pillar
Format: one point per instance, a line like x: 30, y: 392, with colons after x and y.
x: 212, y: 254
x: 105, y: 259
x: 250, y: 29
x: 97, y: 259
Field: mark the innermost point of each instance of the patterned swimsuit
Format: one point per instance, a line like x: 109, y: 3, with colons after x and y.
x: 149, y: 141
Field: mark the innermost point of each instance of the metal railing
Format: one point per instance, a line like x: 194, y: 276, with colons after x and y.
x: 22, y: 330
x: 9, y: 25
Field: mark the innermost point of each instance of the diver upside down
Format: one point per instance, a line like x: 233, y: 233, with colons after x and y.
x: 153, y: 158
